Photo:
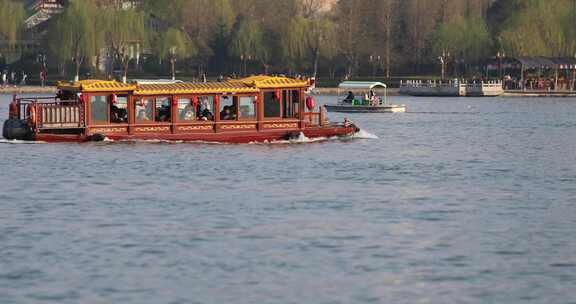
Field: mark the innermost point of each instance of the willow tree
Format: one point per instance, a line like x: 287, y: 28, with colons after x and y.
x: 466, y: 38
x: 78, y: 30
x: 308, y: 38
x: 248, y: 43
x: 388, y: 11
x: 353, y: 32
x: 541, y: 28
x: 11, y: 21
x: 172, y: 45
x: 209, y: 24
x: 124, y: 31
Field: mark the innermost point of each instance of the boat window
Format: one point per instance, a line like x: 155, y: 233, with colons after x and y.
x: 295, y: 103
x: 247, y: 108
x: 163, y: 109
x: 144, y: 110
x: 119, y: 110
x: 271, y: 105
x: 290, y: 103
x: 186, y: 110
x: 99, y: 109
x: 206, y: 108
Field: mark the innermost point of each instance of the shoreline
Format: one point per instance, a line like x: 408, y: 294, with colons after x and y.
x: 28, y: 90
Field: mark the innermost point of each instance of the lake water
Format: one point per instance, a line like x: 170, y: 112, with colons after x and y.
x: 458, y: 201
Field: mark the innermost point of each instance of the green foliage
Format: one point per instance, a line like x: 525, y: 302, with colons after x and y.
x: 123, y: 29
x: 466, y: 37
x: 79, y: 33
x: 11, y: 20
x: 541, y: 28
x: 248, y: 42
x: 309, y: 38
x: 173, y: 42
x: 303, y: 34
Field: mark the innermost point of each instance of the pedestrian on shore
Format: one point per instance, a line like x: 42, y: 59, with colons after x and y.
x: 42, y: 77
x: 4, y: 78
x: 13, y: 78
x: 24, y: 76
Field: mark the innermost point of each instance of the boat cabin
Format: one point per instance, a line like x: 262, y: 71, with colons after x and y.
x: 251, y: 109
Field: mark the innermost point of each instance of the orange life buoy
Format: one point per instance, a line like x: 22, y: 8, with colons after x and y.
x: 31, y: 110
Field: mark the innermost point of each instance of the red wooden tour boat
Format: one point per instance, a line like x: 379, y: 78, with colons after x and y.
x: 254, y: 109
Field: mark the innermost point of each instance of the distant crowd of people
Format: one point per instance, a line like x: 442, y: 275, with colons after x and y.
x: 11, y: 78
x: 538, y: 84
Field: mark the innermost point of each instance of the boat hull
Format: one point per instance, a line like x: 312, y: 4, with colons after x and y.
x: 222, y: 137
x: 366, y: 109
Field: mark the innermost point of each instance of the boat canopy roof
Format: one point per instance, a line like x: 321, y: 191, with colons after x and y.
x: 154, y: 81
x: 94, y: 85
x: 226, y: 87
x: 246, y: 85
x: 368, y: 85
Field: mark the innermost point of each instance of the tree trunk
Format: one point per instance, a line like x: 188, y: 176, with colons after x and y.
x: 78, y: 64
x: 316, y: 57
x: 126, y: 63
x: 172, y: 63
x: 388, y: 49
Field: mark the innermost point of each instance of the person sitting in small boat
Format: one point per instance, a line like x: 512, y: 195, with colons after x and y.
x: 374, y: 100
x: 350, y: 97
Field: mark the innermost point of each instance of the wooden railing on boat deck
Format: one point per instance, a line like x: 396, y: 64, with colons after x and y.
x: 53, y: 113
x: 315, y: 118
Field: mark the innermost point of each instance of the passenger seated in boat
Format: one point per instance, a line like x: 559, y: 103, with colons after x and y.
x: 350, y: 97
x: 119, y: 115
x: 142, y: 115
x: 232, y: 110
x: 164, y: 112
x: 188, y: 113
x: 374, y: 100
x: 225, y: 113
x: 206, y: 115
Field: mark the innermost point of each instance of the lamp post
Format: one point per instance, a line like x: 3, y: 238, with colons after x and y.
x: 42, y: 62
x: 375, y: 61
x: 500, y: 56
x: 173, y: 61
x: 444, y: 61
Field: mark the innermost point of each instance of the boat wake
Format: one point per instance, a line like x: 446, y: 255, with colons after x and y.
x: 362, y: 134
x: 302, y: 139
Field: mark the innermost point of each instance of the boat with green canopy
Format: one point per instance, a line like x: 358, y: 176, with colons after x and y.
x: 373, y: 99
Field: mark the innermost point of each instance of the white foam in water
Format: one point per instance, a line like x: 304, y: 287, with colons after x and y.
x: 364, y: 135
x: 19, y: 142
x: 152, y: 141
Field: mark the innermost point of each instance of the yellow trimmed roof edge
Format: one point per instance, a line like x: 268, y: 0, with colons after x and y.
x: 226, y: 87
x: 246, y: 85
x: 271, y: 82
x: 94, y: 85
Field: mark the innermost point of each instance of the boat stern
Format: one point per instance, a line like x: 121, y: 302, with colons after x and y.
x: 16, y: 128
